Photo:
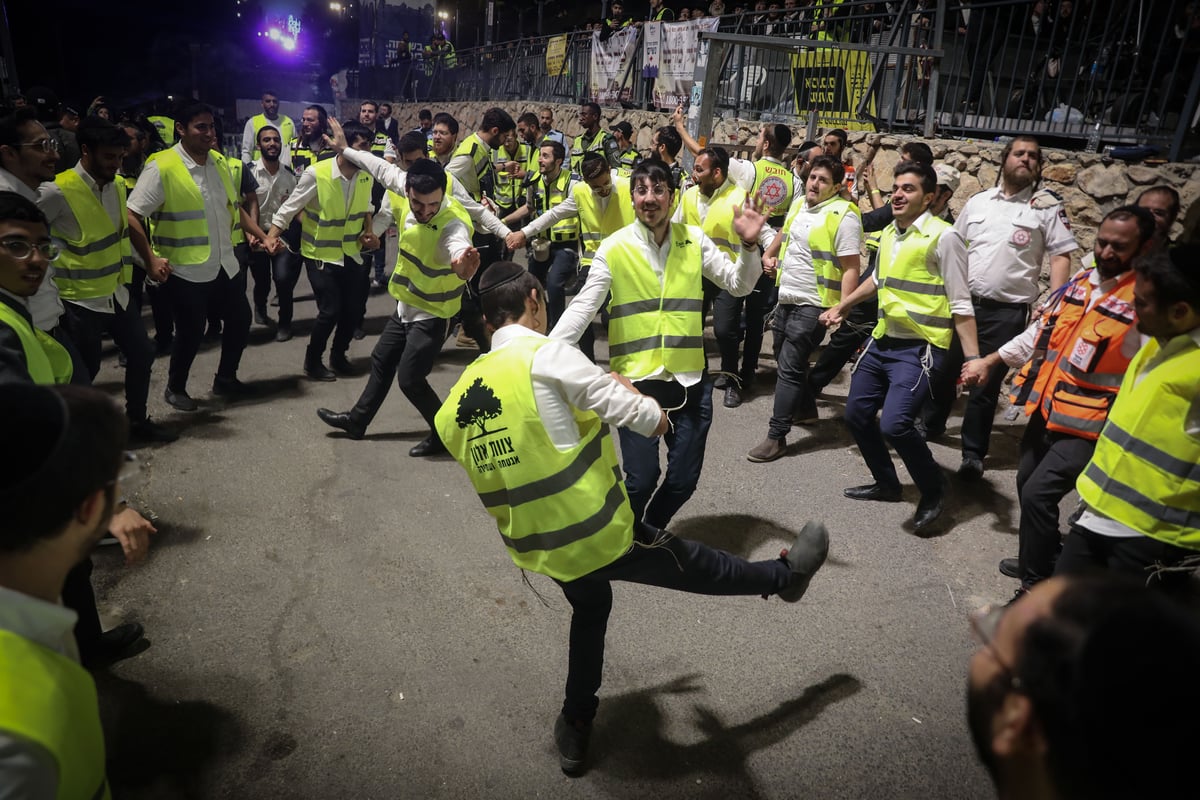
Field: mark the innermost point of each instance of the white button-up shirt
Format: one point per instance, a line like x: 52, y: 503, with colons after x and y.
x: 272, y: 190
x: 798, y: 280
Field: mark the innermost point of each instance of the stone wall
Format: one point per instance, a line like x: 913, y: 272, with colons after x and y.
x: 1090, y: 185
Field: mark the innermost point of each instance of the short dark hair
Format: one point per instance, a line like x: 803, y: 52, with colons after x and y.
x: 529, y: 118
x: 190, y: 112
x: 1024, y: 137
x: 590, y: 106
x: 592, y: 165
x: 96, y: 132
x: 322, y: 116
x: 10, y: 125
x: 502, y: 292
x: 424, y: 113
x: 20, y: 209
x: 1144, y: 219
x: 388, y: 105
x: 426, y: 176
x: 833, y: 166
x: 779, y: 136
x: 264, y: 129
x: 840, y: 134
x: 719, y: 157
x: 442, y: 118
x: 653, y: 170
x: 370, y: 103
x: 919, y: 152
x: 269, y: 93
x: 355, y: 131
x: 1174, y: 274
x: 923, y: 171
x: 1171, y: 194
x: 497, y: 117
x: 411, y: 142
x: 556, y: 147
x: 1078, y: 665
x: 669, y: 138
x: 71, y: 440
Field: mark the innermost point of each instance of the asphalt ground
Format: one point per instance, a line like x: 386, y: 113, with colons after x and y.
x: 330, y: 618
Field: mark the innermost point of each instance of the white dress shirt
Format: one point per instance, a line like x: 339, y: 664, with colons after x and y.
x: 704, y: 202
x: 44, y: 306
x: 948, y: 259
x: 148, y: 197
x: 305, y: 196
x: 453, y: 241
x: 568, y: 208
x: 798, y: 279
x: 58, y: 211
x: 272, y: 190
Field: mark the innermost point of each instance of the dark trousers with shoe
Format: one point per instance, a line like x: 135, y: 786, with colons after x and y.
x: 284, y: 269
x: 406, y: 351
x: 341, y: 292
x: 1049, y: 465
x: 85, y: 327
x: 686, y: 441
x: 554, y: 275
x: 471, y: 315
x: 892, y: 377
x: 995, y: 324
x: 189, y: 302
x: 727, y: 327
x: 78, y: 595
x: 656, y: 559
x: 800, y: 332
x: 843, y: 344
x: 1137, y: 556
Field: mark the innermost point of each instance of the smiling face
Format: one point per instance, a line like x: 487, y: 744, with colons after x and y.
x: 1117, y: 244
x: 909, y: 199
x: 269, y: 144
x: 22, y: 277
x: 31, y: 163
x: 602, y: 184
x: 706, y: 176
x: 425, y: 206
x: 547, y: 163
x: 199, y: 134
x: 310, y: 120
x: 651, y: 202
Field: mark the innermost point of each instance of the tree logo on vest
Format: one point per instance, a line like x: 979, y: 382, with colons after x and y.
x: 476, y: 406
x: 772, y: 190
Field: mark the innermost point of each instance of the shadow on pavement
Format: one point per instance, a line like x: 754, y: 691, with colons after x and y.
x: 630, y: 741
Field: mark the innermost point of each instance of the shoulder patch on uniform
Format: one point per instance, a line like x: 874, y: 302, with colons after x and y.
x: 1045, y: 198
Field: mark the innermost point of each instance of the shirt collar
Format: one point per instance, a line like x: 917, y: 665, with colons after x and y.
x: 1022, y: 196
x: 21, y: 304
x: 506, y: 334
x: 48, y: 624
x: 88, y: 179
x: 919, y: 224
x: 11, y: 183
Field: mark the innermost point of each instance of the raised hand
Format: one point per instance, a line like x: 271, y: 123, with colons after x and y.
x: 337, y: 138
x: 465, y: 265
x: 748, y: 219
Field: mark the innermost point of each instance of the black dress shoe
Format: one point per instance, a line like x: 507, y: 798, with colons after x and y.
x: 261, y: 318
x: 431, y: 445
x: 1010, y: 568
x: 112, y: 646
x: 230, y: 387
x: 873, y: 491
x: 928, y: 510
x: 971, y: 468
x: 721, y: 381
x: 340, y: 364
x: 180, y: 401
x: 318, y: 371
x: 283, y: 333
x: 147, y: 430
x: 733, y: 396
x: 359, y: 334
x: 343, y: 422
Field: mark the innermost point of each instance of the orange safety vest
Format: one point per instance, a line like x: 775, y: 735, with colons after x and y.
x: 1084, y: 363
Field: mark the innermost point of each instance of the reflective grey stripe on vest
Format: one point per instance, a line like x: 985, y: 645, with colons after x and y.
x: 654, y: 343
x: 591, y: 237
x: 1096, y: 379
x: 432, y: 297
x: 931, y: 321
x: 425, y: 268
x: 683, y: 304
x: 1074, y: 423
x: 564, y: 479
x: 356, y: 215
x: 552, y: 540
x: 91, y: 247
x: 1180, y: 517
x: 913, y: 286
x: 322, y: 223
x: 315, y: 242
x: 86, y: 274
x: 726, y: 243
x: 829, y: 283
x: 824, y: 255
x: 177, y: 216
x: 1148, y: 452
x: 187, y: 241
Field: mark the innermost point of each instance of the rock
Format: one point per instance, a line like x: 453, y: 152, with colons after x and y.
x: 874, y: 140
x: 939, y: 151
x: 987, y: 175
x: 1061, y: 173
x: 968, y: 149
x: 973, y: 164
x: 1056, y: 156
x: 1140, y: 174
x: 1102, y: 181
x: 1081, y: 209
x: 890, y: 141
x: 956, y: 160
x: 645, y: 139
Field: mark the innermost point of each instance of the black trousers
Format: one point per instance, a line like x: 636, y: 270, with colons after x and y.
x: 843, y: 344
x: 727, y: 327
x: 656, y: 559
x: 85, y: 327
x: 284, y: 268
x: 1049, y: 465
x: 189, y: 303
x: 406, y: 351
x: 995, y: 325
x: 1139, y: 556
x: 798, y: 331
x: 77, y: 595
x: 341, y: 294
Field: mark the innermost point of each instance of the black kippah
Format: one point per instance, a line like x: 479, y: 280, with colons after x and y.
x: 498, y: 274
x: 35, y: 427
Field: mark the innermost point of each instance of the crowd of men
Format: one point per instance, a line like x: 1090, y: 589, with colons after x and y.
x: 631, y: 247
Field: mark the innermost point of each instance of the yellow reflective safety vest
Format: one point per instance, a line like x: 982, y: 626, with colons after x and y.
x: 547, y: 196
x: 98, y: 260
x: 49, y: 699
x: 774, y: 183
x: 46, y: 361
x: 1145, y: 472
x: 235, y: 175
x: 561, y: 513
x: 479, y: 153
x: 911, y: 296
x: 627, y: 160
x: 285, y: 126
x: 717, y: 222
x: 594, y: 225
x: 332, y: 232
x: 602, y: 142
x: 379, y: 143
x: 303, y: 156
x: 179, y: 230
x: 418, y: 279
x: 165, y: 126
x: 655, y: 324
x: 822, y: 239
x: 507, y: 192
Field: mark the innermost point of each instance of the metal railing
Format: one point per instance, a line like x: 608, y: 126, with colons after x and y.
x: 1123, y: 72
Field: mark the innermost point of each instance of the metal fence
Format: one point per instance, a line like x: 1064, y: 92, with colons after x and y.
x: 1125, y: 72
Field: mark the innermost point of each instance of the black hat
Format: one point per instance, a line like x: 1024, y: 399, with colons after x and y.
x: 35, y: 423
x: 625, y: 128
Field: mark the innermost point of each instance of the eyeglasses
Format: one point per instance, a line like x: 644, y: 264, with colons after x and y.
x: 984, y: 623
x: 45, y: 145
x: 658, y: 190
x: 22, y: 250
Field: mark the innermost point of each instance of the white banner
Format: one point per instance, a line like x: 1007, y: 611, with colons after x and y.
x: 611, y: 79
x: 677, y: 57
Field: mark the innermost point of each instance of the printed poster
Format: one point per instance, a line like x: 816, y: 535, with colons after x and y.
x: 832, y: 82
x: 677, y: 58
x: 556, y: 55
x: 611, y: 81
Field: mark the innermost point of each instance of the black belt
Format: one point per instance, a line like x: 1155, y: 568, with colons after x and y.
x: 986, y: 302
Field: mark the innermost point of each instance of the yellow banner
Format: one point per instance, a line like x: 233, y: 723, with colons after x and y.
x: 556, y: 56
x: 832, y: 82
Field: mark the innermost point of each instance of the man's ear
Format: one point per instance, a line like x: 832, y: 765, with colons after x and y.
x: 1016, y: 731
x: 91, y: 508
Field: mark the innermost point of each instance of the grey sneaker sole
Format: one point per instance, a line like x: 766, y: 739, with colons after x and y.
x: 805, y: 557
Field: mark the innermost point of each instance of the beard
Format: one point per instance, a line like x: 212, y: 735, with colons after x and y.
x: 983, y: 703
x: 1019, y: 180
